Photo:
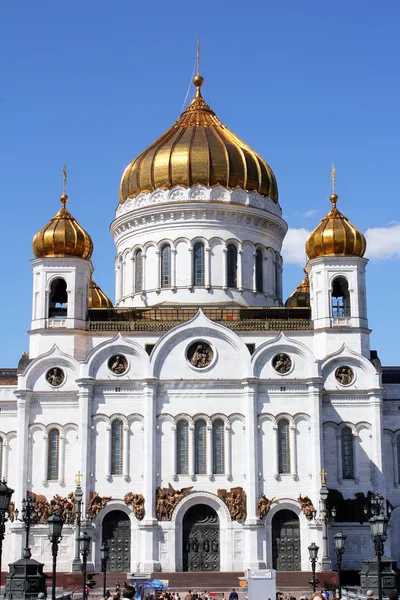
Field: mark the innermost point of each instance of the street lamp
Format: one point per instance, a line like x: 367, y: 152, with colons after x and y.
x: 28, y: 509
x: 105, y: 551
x: 340, y: 541
x: 55, y: 524
x: 313, y: 552
x: 379, y: 525
x: 84, y: 547
x: 5, y: 498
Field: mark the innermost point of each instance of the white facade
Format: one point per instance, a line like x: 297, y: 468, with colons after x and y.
x: 239, y: 388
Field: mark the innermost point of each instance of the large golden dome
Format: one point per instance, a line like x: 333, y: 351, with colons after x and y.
x: 97, y: 298
x: 62, y: 236
x: 335, y: 236
x: 198, y: 149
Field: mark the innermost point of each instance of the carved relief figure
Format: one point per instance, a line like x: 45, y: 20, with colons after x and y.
x: 264, y: 506
x: 64, y: 507
x: 167, y: 499
x: 96, y: 503
x: 136, y: 501
x: 282, y: 363
x: 11, y: 511
x: 344, y: 375
x: 42, y: 508
x: 118, y: 364
x: 200, y: 355
x: 55, y: 376
x: 235, y: 500
x: 306, y: 506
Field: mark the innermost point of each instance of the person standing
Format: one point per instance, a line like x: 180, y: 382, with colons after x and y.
x: 233, y: 595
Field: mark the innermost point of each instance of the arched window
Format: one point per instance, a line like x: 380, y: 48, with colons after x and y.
x: 200, y: 446
x: 2, y: 475
x: 58, y: 299
x: 198, y: 264
x: 283, y: 446
x: 165, y: 266
x: 347, y: 453
x: 232, y: 259
x: 117, y: 443
x: 340, y: 298
x: 182, y: 448
x: 218, y: 447
x: 53, y: 454
x: 259, y: 270
x: 138, y: 271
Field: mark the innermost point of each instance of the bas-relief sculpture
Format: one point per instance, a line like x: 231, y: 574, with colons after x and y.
x: 55, y: 376
x: 264, y: 506
x: 235, y: 500
x: 344, y: 375
x: 282, y: 363
x: 136, y: 502
x: 167, y: 499
x: 96, y: 503
x: 118, y: 364
x: 306, y: 506
x: 200, y: 354
x: 44, y: 508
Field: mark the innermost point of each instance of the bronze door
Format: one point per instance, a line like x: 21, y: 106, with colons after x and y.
x: 286, y: 541
x: 117, y: 532
x: 201, y: 539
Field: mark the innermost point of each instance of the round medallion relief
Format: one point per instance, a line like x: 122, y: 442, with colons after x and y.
x: 200, y: 354
x: 118, y: 364
x: 282, y: 363
x: 55, y: 376
x: 344, y: 375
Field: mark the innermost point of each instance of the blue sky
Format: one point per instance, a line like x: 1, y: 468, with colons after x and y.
x: 92, y: 83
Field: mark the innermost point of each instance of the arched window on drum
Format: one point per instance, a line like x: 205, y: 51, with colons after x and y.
x: 53, y: 454
x: 284, y: 446
x: 340, y: 298
x: 218, y: 431
x: 182, y: 448
x: 259, y: 271
x: 58, y: 299
x: 232, y: 265
x: 200, y: 447
x: 165, y: 266
x: 117, y: 441
x: 138, y: 271
x: 347, y: 453
x: 198, y: 265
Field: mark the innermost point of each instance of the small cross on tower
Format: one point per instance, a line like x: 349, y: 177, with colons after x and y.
x: 323, y: 474
x: 78, y: 478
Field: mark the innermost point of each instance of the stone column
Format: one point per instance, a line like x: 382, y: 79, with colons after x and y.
x: 254, y: 529
x: 293, y: 452
x: 45, y: 457
x: 240, y: 270
x: 173, y: 269
x: 228, y: 451
x: 149, y: 529
x: 274, y: 448
x: 62, y: 459
x: 225, y: 269
x: 125, y: 446
x: 173, y: 453
x: 209, y: 452
x: 375, y: 398
x: 158, y: 287
x: 21, y: 481
x: 108, y: 441
x: 191, y: 452
x: 207, y: 268
x: 85, y: 397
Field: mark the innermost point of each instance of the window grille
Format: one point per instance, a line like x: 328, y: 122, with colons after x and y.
x: 218, y: 447
x: 340, y: 298
x: 1, y: 459
x: 347, y: 453
x: 232, y: 266
x: 166, y: 266
x: 200, y: 441
x: 284, y: 446
x: 117, y: 442
x: 53, y: 454
x: 138, y: 271
x: 198, y: 264
x: 259, y: 271
x: 182, y: 448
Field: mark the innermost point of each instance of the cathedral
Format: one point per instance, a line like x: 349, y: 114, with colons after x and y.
x: 208, y: 422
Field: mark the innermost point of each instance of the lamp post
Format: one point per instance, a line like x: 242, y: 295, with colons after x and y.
x: 55, y: 527
x: 84, y: 546
x: 340, y: 541
x: 313, y: 552
x: 5, y: 499
x: 78, y: 497
x: 379, y: 525
x: 104, y: 550
x: 28, y: 509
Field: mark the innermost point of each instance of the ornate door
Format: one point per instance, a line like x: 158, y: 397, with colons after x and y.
x: 286, y: 541
x: 117, y: 532
x: 201, y: 539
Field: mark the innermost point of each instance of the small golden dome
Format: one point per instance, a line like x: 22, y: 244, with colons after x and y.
x: 301, y: 295
x: 97, y: 298
x: 62, y: 236
x: 198, y: 149
x: 335, y: 236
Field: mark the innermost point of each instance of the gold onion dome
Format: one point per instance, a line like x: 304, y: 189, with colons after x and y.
x: 97, y: 298
x: 335, y: 236
x: 62, y: 236
x: 198, y: 149
x: 301, y: 295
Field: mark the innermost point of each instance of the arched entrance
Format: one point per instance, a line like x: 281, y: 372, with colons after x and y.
x: 117, y: 533
x: 201, y: 539
x: 286, y: 554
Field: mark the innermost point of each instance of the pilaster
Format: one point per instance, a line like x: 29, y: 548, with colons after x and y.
x: 85, y: 397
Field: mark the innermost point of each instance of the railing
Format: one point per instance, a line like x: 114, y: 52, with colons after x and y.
x: 242, y: 325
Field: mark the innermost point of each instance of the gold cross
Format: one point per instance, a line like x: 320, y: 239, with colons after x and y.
x: 323, y: 476
x: 333, y: 175
x: 65, y: 180
x: 78, y: 478
x: 198, y: 57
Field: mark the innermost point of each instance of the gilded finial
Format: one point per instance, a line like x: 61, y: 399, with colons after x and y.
x: 64, y: 197
x: 78, y: 478
x: 198, y: 79
x: 323, y: 474
x: 334, y: 196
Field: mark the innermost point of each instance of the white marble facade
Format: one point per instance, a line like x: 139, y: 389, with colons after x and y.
x: 239, y: 389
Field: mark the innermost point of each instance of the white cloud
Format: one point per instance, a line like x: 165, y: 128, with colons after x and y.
x: 310, y: 213
x: 293, y: 250
x: 383, y: 242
